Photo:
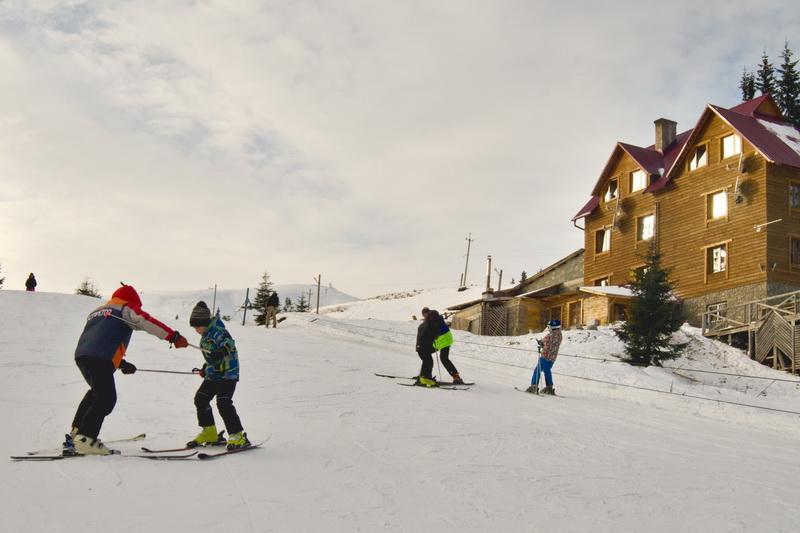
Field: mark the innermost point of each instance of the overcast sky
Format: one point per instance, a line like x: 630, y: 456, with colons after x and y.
x: 174, y: 145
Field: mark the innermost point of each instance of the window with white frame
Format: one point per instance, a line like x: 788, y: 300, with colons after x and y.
x: 794, y: 195
x: 731, y: 145
x: 645, y: 227
x: 602, y: 241
x: 717, y: 205
x: 611, y: 190
x: 699, y: 158
x: 718, y: 259
x: 638, y: 180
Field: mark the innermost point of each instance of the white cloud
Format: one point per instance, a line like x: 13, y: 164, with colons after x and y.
x: 191, y: 142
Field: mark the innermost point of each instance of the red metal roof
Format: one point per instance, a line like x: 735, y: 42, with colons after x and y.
x: 590, y: 206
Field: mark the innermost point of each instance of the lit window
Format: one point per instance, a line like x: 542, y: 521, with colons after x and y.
x: 794, y: 195
x: 611, y: 192
x: 699, y: 158
x: 717, y: 205
x: 718, y: 259
x: 645, y: 227
x: 794, y: 251
x: 638, y: 180
x: 602, y: 241
x: 731, y: 145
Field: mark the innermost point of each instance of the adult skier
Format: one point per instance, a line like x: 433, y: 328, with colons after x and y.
x: 427, y: 332
x: 443, y: 342
x: 548, y: 349
x: 220, y: 374
x: 100, y: 351
x: 30, y: 283
x: 272, y: 309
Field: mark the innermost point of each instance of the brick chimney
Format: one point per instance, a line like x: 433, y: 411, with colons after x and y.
x: 666, y: 131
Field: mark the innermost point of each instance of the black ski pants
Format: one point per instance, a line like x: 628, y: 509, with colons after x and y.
x: 444, y: 355
x: 223, y: 389
x: 427, y: 364
x: 99, y: 400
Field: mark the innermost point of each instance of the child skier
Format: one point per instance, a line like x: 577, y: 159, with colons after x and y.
x: 443, y: 342
x: 548, y: 348
x: 220, y: 374
x: 100, y: 352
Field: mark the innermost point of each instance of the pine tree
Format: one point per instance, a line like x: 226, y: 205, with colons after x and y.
x: 747, y: 84
x: 765, y: 81
x: 788, y: 87
x: 87, y: 288
x: 523, y: 276
x: 287, y: 305
x: 262, y: 295
x: 654, y: 316
x: 302, y: 304
x: 2, y: 279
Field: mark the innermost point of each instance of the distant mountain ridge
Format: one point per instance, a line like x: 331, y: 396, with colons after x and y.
x: 229, y: 301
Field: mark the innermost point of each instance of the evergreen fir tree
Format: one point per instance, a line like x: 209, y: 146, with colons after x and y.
x: 523, y: 276
x: 287, y: 305
x: 2, y: 279
x: 262, y: 295
x: 765, y: 80
x: 788, y: 87
x: 747, y: 84
x: 653, y: 316
x: 87, y: 288
x: 302, y: 304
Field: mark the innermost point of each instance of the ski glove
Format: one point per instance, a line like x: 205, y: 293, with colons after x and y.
x: 127, y: 368
x: 178, y: 340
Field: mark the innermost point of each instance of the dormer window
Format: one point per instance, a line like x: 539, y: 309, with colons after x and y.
x: 638, y: 180
x: 731, y: 146
x: 611, y: 191
x: 699, y: 158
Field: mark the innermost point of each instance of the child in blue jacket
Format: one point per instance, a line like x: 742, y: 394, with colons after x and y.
x: 220, y: 374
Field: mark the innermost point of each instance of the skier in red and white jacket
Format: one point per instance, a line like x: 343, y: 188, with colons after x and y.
x: 101, y: 350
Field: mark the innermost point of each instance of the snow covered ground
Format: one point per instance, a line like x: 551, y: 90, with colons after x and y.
x: 353, y: 452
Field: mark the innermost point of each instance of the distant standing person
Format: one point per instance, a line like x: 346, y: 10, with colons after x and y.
x: 548, y: 348
x: 30, y: 283
x: 272, y: 309
x: 100, y: 352
x: 426, y: 335
x: 443, y: 342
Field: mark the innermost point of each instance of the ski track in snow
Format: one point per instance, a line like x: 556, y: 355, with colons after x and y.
x: 355, y: 452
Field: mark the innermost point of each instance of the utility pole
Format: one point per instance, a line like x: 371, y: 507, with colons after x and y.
x: 246, y: 305
x: 466, y: 264
x: 318, y: 279
x: 500, y: 278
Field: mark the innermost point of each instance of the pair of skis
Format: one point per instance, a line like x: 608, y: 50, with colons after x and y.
x: 445, y: 385
x: 156, y: 455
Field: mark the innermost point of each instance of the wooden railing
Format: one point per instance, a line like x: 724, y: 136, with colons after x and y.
x: 749, y: 315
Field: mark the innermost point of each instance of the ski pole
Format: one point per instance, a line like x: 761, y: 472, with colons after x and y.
x: 194, y: 371
x: 438, y: 366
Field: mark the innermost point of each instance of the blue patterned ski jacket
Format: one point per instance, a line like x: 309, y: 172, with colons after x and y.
x: 219, y: 351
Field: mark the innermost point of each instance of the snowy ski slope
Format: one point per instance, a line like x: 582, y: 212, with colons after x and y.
x: 353, y: 452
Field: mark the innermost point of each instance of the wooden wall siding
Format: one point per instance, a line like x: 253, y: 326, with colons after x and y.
x: 596, y: 308
x: 682, y: 231
x: 625, y: 250
x: 777, y: 234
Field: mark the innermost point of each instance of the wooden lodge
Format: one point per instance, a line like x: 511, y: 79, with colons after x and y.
x: 721, y: 204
